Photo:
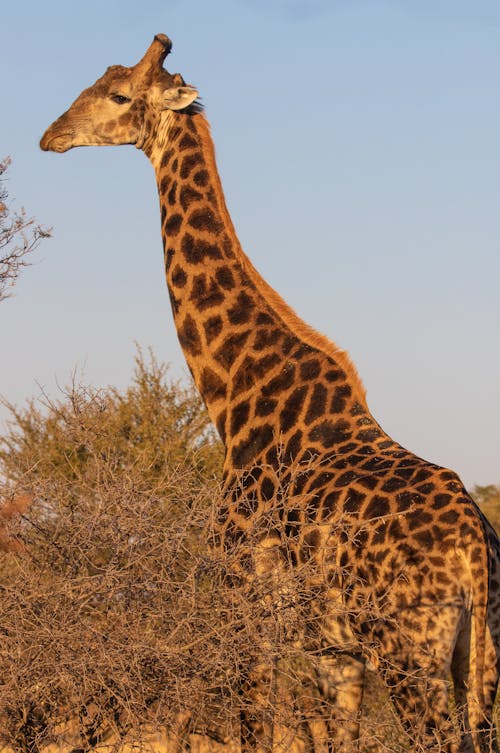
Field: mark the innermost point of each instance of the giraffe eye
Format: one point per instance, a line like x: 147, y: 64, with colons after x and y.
x: 119, y: 99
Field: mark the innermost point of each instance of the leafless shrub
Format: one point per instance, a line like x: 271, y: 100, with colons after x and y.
x: 19, y: 236
x: 122, y: 613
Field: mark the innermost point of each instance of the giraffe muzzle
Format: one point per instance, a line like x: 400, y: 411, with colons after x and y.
x: 60, y: 142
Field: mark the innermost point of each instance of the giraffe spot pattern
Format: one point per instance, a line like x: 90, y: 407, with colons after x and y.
x: 231, y: 349
x: 225, y: 278
x: 205, y: 294
x: 188, y: 163
x: 204, y: 220
x: 197, y: 250
x: 173, y: 224
x: 179, y: 277
x: 241, y: 312
x: 213, y: 327
x: 214, y: 388
x: 317, y: 403
x: 189, y: 337
x: 279, y: 400
x: 188, y: 196
x: 250, y: 448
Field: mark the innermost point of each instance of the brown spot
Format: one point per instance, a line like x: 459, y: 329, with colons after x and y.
x: 213, y: 328
x: 311, y: 542
x: 292, y: 408
x: 189, y: 196
x: 189, y: 163
x: 205, y: 295
x: 241, y: 312
x: 320, y: 480
x: 422, y: 475
x: 268, y: 489
x: 288, y: 344
x: 293, y: 446
x: 329, y: 433
x: 379, y: 534
x: 201, y: 178
x: 239, y: 417
x: 339, y: 398
x: 166, y: 157
x: 310, y: 369
x: 368, y: 435
x: 369, y: 482
x: 169, y: 257
x: 196, y: 250
x: 220, y: 423
x: 265, y: 363
x: 189, y: 337
x: 283, y: 381
x: 179, y: 277
x: 358, y: 410
x: 244, y: 377
x: 173, y: 224
x: 450, y: 517
x: 187, y: 142
x: 345, y: 479
x: 225, y: 278
x: 393, y: 484
x: 426, y: 488
x: 418, y: 518
x: 231, y: 349
x: 406, y: 500
x: 172, y: 194
x: 265, y: 318
x: 333, y: 375
x: 265, y: 406
x: 265, y: 338
x: 441, y: 500
x: 248, y: 450
x: 204, y: 220
x: 377, y: 507
x: 317, y: 403
x: 425, y: 538
x: 211, y: 386
x: 395, y: 531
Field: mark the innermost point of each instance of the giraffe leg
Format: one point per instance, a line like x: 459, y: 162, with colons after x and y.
x: 415, y: 659
x: 258, y: 706
x: 340, y: 681
x: 262, y: 694
x: 476, y: 723
x: 422, y: 705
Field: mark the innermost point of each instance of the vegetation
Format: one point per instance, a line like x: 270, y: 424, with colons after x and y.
x: 488, y: 499
x: 19, y: 236
x: 118, y: 613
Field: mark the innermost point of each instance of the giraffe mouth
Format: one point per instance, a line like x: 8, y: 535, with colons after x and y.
x: 57, y: 143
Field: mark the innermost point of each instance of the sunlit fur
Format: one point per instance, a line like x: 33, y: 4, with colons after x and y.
x: 404, y: 566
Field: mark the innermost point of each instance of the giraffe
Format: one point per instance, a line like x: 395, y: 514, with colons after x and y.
x: 283, y: 396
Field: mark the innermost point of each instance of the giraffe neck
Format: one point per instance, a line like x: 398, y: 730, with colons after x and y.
x: 241, y: 341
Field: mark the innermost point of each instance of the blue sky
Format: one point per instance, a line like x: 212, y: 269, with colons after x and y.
x: 358, y: 143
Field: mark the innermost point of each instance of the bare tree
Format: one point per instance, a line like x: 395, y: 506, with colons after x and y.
x: 19, y: 236
x: 119, y: 612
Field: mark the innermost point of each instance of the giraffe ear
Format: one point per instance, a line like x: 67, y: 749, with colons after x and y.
x: 178, y: 98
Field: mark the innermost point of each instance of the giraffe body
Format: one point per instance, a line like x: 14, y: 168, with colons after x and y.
x: 415, y: 571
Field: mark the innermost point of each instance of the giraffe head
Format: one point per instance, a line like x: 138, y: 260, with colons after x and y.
x: 124, y: 106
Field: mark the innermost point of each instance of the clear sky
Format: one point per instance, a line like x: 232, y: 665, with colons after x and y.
x: 359, y: 147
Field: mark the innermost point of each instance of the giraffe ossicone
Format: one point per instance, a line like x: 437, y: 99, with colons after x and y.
x: 283, y: 396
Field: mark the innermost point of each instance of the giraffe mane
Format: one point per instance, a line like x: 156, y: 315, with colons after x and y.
x: 291, y: 319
